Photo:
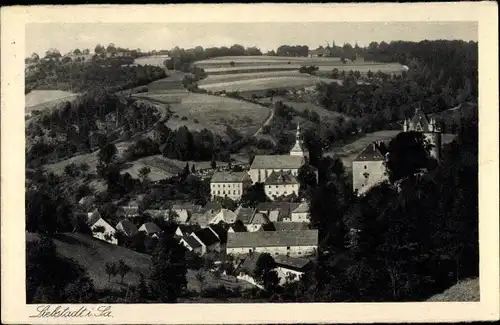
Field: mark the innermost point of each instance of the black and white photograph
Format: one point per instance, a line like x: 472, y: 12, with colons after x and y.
x: 251, y: 162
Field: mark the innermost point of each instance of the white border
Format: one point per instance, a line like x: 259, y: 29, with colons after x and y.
x: 13, y: 20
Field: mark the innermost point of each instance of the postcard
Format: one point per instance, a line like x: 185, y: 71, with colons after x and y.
x: 249, y: 164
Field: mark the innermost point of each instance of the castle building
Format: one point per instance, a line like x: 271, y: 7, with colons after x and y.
x: 230, y: 184
x: 281, y: 184
x: 429, y: 128
x: 264, y: 165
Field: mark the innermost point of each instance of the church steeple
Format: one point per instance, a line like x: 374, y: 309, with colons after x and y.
x: 299, y: 148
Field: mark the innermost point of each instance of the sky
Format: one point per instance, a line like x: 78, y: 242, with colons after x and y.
x: 266, y: 36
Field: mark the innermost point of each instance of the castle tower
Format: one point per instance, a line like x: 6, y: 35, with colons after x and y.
x: 299, y: 148
x: 429, y: 129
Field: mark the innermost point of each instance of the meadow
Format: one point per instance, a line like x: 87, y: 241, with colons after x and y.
x: 37, y: 100
x: 214, y: 113
x: 156, y: 60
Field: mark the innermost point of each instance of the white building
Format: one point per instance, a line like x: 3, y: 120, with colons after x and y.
x: 230, y: 184
x: 281, y: 183
x: 208, y: 239
x: 101, y: 229
x: 301, y: 213
x: 291, y: 243
x: 290, y: 269
x: 264, y: 165
x: 368, y: 169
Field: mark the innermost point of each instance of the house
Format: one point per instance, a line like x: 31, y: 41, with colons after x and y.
x: 301, y: 213
x: 129, y: 211
x: 246, y: 268
x: 225, y: 216
x: 292, y: 243
x: 101, y: 229
x: 185, y: 211
x: 208, y: 240
x: 257, y: 221
x: 244, y: 214
x: 229, y: 184
x: 212, y: 206
x: 221, y: 233
x: 281, y: 183
x: 201, y: 218
x: 277, y: 211
x: 290, y: 269
x: 150, y: 229
x: 368, y: 168
x: 192, y: 244
x: 263, y: 165
x: 127, y: 227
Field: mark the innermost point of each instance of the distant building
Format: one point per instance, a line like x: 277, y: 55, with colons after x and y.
x: 127, y: 227
x: 432, y: 133
x: 129, y: 211
x: 150, y: 229
x: 281, y: 183
x: 101, y: 229
x: 192, y: 244
x: 291, y: 243
x: 225, y: 216
x: 230, y: 184
x: 263, y: 165
x: 87, y: 202
x: 208, y: 239
x: 290, y: 269
x: 301, y: 213
x: 256, y: 222
x: 277, y: 211
x: 368, y: 168
x: 244, y: 214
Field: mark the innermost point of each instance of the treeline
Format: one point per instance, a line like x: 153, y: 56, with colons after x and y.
x: 293, y: 50
x: 103, y: 74
x: 182, y: 59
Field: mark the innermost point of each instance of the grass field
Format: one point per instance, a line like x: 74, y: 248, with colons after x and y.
x: 212, y: 112
x: 156, y: 60
x: 465, y: 290
x: 43, y: 99
x: 93, y: 254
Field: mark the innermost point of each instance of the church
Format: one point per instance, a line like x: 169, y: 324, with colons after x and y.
x: 264, y: 165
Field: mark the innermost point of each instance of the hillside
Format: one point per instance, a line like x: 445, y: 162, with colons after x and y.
x: 93, y: 254
x: 465, y: 290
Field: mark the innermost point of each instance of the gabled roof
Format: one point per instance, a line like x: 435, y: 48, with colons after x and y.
x: 259, y: 218
x: 284, y: 208
x: 150, y: 228
x: 156, y: 213
x: 93, y: 217
x: 281, y: 178
x: 226, y: 215
x: 290, y: 226
x: 419, y: 118
x: 293, y: 263
x: 272, y: 238
x: 277, y: 162
x: 201, y: 219
x: 128, y: 227
x: 206, y: 236
x: 87, y: 200
x: 237, y: 227
x: 302, y: 208
x: 229, y: 177
x: 244, y: 214
x: 192, y: 242
x: 370, y: 153
x: 220, y: 232
x: 128, y: 211
x: 249, y: 263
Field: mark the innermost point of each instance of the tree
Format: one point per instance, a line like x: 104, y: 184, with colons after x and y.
x: 99, y: 49
x: 193, y: 169
x: 213, y: 164
x: 307, y: 180
x: 144, y: 172
x: 107, y: 154
x: 231, y: 63
x: 185, y: 171
x: 254, y: 195
x: 168, y: 270
x: 264, y: 272
x: 122, y: 269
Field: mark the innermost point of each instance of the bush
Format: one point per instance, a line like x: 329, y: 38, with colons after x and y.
x: 184, y: 118
x: 196, y: 121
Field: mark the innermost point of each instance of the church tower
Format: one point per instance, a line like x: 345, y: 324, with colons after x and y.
x: 299, y: 149
x: 429, y: 129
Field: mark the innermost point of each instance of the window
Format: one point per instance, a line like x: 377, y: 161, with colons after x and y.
x: 234, y: 192
x: 218, y: 191
x: 365, y: 166
x: 288, y: 247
